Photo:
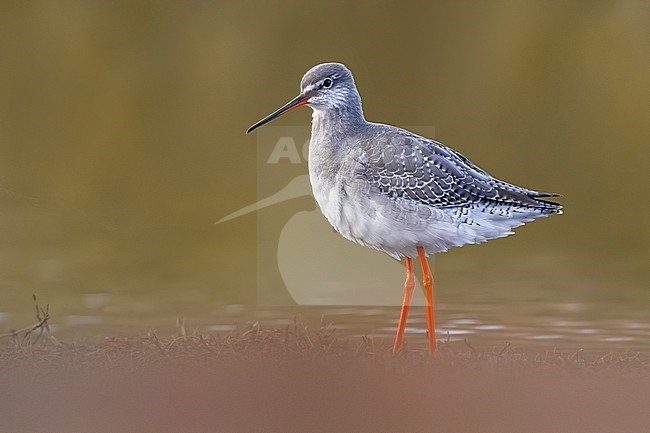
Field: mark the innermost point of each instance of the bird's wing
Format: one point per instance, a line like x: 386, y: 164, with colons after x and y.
x: 404, y: 165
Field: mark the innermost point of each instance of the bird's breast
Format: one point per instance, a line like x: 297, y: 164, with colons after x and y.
x: 330, y: 180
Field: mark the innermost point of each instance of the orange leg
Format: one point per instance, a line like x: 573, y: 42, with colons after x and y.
x: 409, y: 284
x: 427, y: 283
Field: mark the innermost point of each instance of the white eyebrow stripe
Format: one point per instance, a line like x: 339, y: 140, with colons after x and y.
x: 311, y: 87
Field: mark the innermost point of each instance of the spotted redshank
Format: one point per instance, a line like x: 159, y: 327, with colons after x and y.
x: 397, y: 192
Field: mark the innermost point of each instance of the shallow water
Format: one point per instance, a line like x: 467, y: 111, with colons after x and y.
x: 569, y: 327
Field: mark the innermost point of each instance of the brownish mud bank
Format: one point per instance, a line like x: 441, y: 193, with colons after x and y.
x: 291, y: 380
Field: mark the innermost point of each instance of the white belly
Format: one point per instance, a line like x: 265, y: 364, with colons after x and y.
x: 397, y: 227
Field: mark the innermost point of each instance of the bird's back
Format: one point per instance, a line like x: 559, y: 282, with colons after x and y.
x: 407, y: 166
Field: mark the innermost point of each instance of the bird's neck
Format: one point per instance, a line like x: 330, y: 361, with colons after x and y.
x: 337, y: 121
x: 332, y: 136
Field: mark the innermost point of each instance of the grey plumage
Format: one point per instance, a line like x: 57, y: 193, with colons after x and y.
x: 392, y: 190
x: 408, y: 166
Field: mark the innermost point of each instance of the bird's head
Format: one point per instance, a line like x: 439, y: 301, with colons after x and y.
x: 329, y: 85
x: 324, y: 87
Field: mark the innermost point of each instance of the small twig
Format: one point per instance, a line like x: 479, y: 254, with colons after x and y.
x: 154, y: 337
x: 306, y: 335
x: 504, y: 348
x: 26, y: 329
x: 576, y: 354
x: 360, y: 345
x: 470, y: 346
x: 42, y: 315
x: 180, y: 323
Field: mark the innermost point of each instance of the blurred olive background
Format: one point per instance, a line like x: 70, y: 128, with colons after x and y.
x: 122, y: 141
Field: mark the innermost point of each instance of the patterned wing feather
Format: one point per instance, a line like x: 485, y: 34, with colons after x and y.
x: 405, y: 165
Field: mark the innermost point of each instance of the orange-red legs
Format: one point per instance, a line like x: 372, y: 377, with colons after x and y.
x: 427, y: 283
x: 409, y: 284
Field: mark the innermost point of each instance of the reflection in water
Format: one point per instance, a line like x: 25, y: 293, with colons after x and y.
x: 318, y: 267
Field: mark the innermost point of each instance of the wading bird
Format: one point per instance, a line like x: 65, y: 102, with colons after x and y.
x: 397, y: 192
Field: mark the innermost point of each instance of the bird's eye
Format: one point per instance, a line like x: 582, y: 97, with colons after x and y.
x: 327, y: 83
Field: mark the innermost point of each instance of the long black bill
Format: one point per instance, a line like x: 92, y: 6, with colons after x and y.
x: 294, y: 103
